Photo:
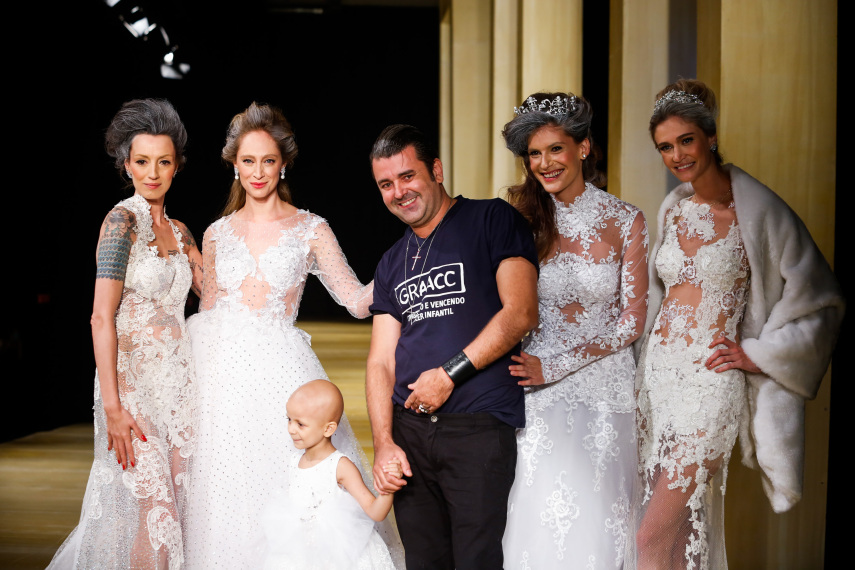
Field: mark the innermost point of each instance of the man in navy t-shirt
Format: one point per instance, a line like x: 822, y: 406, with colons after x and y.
x: 452, y: 299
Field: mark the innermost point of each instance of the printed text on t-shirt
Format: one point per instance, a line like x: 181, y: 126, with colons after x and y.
x: 442, y: 281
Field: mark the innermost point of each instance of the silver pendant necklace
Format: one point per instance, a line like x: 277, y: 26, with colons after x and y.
x: 418, y: 256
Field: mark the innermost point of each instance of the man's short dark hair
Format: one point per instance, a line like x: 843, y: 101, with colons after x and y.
x: 396, y: 138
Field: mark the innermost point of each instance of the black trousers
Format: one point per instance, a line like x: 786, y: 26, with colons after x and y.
x: 452, y: 511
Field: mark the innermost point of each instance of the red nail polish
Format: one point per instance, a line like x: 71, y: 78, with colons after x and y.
x: 144, y: 439
x: 123, y: 467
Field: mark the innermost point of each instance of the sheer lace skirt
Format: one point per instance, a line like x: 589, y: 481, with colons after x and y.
x: 688, y: 419
x: 131, y: 518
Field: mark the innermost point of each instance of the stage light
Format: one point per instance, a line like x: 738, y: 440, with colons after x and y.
x: 132, y: 14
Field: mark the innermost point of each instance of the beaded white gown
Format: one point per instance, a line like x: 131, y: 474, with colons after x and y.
x: 132, y: 518
x: 569, y: 505
x: 249, y: 358
x: 689, y: 416
x: 314, y: 524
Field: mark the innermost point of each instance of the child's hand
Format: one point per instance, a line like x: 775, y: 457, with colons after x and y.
x: 393, y: 467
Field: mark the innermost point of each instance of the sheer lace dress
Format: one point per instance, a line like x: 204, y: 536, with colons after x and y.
x: 132, y: 518
x: 689, y: 416
x: 577, y: 454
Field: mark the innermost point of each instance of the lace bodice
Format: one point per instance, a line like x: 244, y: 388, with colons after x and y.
x: 592, y: 292
x: 151, y: 278
x: 262, y: 266
x: 704, y: 267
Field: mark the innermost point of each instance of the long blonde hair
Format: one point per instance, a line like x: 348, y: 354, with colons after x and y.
x: 258, y: 118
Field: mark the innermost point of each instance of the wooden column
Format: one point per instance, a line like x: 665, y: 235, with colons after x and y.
x: 774, y: 65
x: 551, y: 46
x: 638, y: 70
x: 446, y: 115
x: 498, y: 51
x: 506, y: 91
x: 471, y: 43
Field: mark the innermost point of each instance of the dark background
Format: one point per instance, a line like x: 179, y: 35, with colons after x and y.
x: 340, y: 73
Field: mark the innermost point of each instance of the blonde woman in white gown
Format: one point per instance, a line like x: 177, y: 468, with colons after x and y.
x: 569, y: 505
x: 249, y: 355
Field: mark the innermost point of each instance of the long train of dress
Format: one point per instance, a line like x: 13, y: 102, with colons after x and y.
x: 249, y: 358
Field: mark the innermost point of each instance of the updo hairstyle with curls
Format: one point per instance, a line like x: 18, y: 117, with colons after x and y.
x: 692, y: 101
x: 529, y: 197
x: 265, y: 118
x: 148, y: 117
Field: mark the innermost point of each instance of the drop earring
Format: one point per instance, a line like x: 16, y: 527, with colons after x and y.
x: 128, y: 173
x: 237, y: 176
x: 282, y: 174
x: 714, y: 147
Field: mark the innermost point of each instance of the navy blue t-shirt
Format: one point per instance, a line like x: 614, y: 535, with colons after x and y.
x: 444, y: 299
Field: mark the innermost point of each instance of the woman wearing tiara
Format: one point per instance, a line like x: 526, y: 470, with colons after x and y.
x: 739, y: 292
x: 569, y: 505
x: 249, y: 356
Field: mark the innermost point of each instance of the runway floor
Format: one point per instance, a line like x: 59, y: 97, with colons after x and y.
x: 43, y: 475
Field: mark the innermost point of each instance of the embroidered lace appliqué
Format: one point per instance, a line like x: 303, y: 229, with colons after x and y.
x: 689, y: 416
x: 560, y: 512
x: 592, y: 295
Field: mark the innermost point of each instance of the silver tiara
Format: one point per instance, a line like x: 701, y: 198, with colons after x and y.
x: 675, y: 96
x: 557, y: 107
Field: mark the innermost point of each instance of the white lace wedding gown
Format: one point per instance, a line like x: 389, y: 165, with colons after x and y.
x: 569, y: 505
x: 314, y: 524
x: 132, y: 518
x: 688, y: 416
x: 249, y: 358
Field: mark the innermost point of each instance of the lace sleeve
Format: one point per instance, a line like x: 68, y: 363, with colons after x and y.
x: 210, y: 291
x: 330, y: 265
x: 632, y: 309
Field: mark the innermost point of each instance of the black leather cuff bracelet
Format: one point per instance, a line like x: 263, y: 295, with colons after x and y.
x: 459, y: 368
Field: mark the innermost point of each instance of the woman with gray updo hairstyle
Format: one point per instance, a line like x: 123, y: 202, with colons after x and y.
x: 576, y: 456
x: 145, y: 398
x: 744, y: 313
x: 148, y: 116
